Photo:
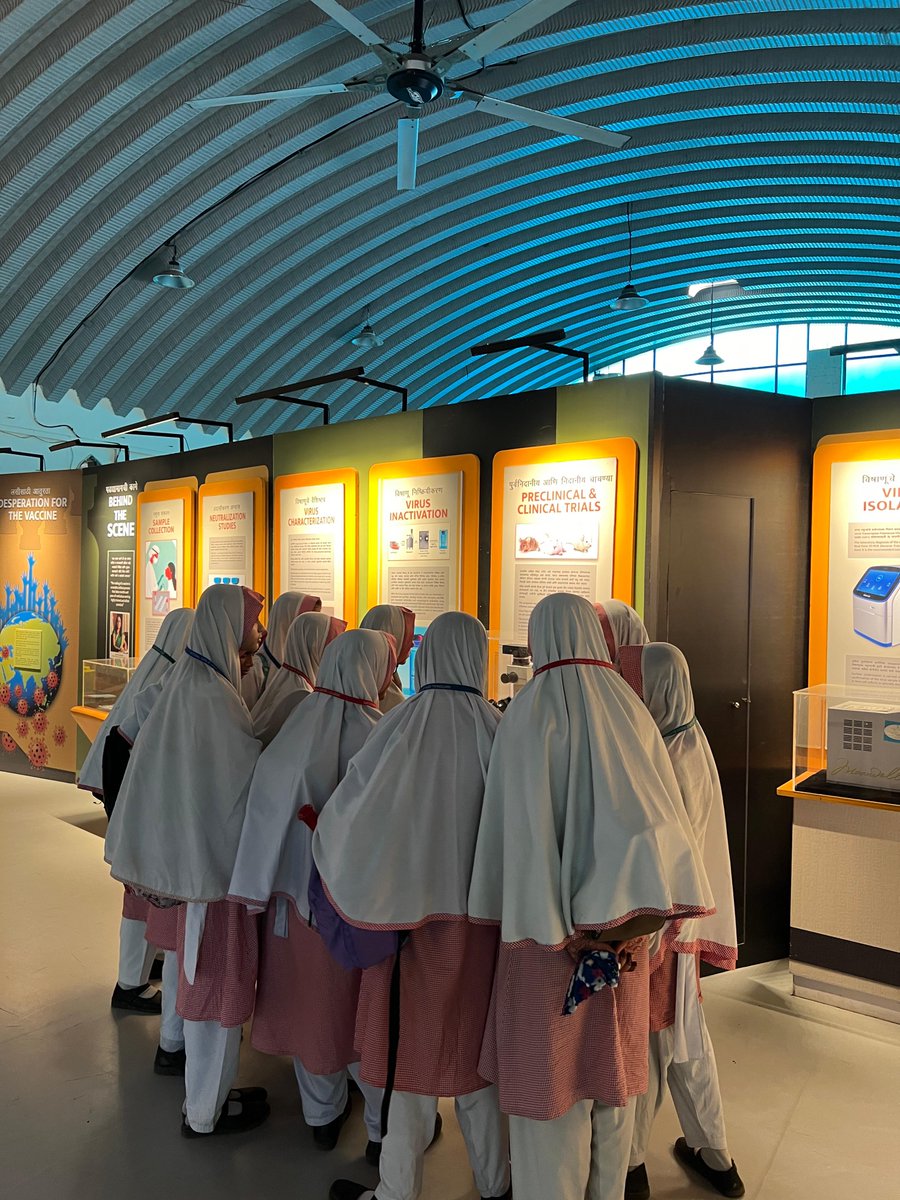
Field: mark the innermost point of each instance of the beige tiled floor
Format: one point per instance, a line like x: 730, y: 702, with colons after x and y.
x: 813, y: 1094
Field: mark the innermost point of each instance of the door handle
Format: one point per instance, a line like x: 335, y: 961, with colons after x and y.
x: 738, y: 703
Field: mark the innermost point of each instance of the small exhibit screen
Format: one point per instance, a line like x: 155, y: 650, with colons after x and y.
x: 877, y: 583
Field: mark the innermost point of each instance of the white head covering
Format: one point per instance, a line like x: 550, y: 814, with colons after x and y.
x: 582, y: 826
x: 304, y: 765
x: 400, y: 623
x: 659, y: 674
x: 288, y: 606
x: 176, y: 825
x: 396, y: 843
x: 307, y: 638
x: 169, y: 644
x: 622, y: 622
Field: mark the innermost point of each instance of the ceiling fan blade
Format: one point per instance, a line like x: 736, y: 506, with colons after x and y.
x: 407, y: 153
x: 354, y: 26
x: 301, y: 93
x: 519, y: 22
x: 542, y: 120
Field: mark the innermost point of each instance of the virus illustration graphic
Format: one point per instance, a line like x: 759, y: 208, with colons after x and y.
x: 59, y: 735
x: 8, y: 742
x: 40, y: 722
x: 37, y: 755
x: 33, y: 642
x: 5, y: 694
x: 22, y: 707
x: 22, y: 729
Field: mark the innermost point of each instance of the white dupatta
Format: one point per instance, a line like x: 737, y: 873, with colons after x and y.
x: 302, y: 767
x: 582, y: 826
x: 395, y: 845
x: 307, y: 638
x: 162, y: 655
x: 175, y: 829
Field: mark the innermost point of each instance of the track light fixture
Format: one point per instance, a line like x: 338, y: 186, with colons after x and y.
x: 172, y: 275
x: 23, y: 454
x: 73, y: 442
x: 629, y: 299
x: 358, y: 374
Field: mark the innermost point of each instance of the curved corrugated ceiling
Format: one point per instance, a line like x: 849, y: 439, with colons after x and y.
x: 764, y: 146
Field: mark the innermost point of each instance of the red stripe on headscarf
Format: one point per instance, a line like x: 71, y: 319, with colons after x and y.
x: 574, y: 662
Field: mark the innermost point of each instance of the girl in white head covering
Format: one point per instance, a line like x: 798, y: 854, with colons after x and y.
x: 621, y: 626
x: 400, y: 623
x: 267, y: 662
x: 582, y: 837
x: 135, y: 954
x: 681, y: 1052
x: 174, y: 835
x: 306, y: 1003
x: 407, y: 815
x: 307, y: 638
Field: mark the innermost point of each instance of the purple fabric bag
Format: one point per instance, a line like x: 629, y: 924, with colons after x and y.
x: 352, y: 948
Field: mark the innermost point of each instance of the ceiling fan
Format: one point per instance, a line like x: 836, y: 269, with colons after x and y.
x: 420, y: 78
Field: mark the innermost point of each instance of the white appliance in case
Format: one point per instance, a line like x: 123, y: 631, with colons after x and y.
x: 864, y: 745
x: 876, y: 606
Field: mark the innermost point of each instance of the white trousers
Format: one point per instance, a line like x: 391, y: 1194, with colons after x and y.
x: 695, y: 1092
x: 324, y: 1097
x: 171, y: 1026
x: 213, y: 1055
x: 582, y: 1153
x: 411, y: 1129
x: 136, y: 955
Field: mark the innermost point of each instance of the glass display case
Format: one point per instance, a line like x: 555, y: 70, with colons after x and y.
x: 847, y: 742
x: 103, y: 680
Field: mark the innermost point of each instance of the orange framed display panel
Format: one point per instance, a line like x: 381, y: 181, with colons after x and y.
x: 350, y: 480
x: 835, y: 448
x: 152, y: 493
x: 470, y: 468
x: 237, y: 485
x: 625, y: 451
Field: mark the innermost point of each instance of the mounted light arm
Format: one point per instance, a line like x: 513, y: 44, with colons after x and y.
x: 72, y: 443
x: 548, y: 341
x: 24, y: 454
x: 357, y: 374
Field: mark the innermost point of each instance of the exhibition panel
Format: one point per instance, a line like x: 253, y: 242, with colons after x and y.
x: 40, y: 570
x: 845, y: 784
x: 165, y: 546
x: 316, y: 538
x: 233, y: 530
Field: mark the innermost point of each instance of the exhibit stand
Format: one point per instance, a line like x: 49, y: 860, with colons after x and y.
x: 845, y: 785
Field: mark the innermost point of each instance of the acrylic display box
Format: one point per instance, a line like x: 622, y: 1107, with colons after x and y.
x: 847, y: 743
x: 103, y: 681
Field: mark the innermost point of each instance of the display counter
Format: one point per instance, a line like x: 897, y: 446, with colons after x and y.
x: 845, y: 920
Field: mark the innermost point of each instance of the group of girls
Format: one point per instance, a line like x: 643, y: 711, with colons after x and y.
x: 426, y: 898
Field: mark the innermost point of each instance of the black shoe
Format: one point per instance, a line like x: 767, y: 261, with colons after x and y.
x: 346, y: 1189
x: 251, y: 1095
x: 373, y: 1149
x: 250, y: 1116
x: 326, y: 1136
x: 156, y: 968
x: 507, y: 1195
x: 726, y: 1183
x: 169, y: 1062
x: 637, y: 1185
x: 132, y: 1000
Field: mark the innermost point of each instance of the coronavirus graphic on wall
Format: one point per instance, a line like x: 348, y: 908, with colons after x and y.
x: 33, y: 646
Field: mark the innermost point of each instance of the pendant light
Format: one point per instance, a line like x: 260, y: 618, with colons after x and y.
x: 709, y: 357
x: 367, y: 338
x: 629, y: 299
x: 173, y: 276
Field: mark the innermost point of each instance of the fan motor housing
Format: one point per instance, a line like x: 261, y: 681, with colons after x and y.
x: 416, y: 83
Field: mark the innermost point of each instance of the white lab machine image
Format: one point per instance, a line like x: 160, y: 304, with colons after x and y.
x: 876, y: 606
